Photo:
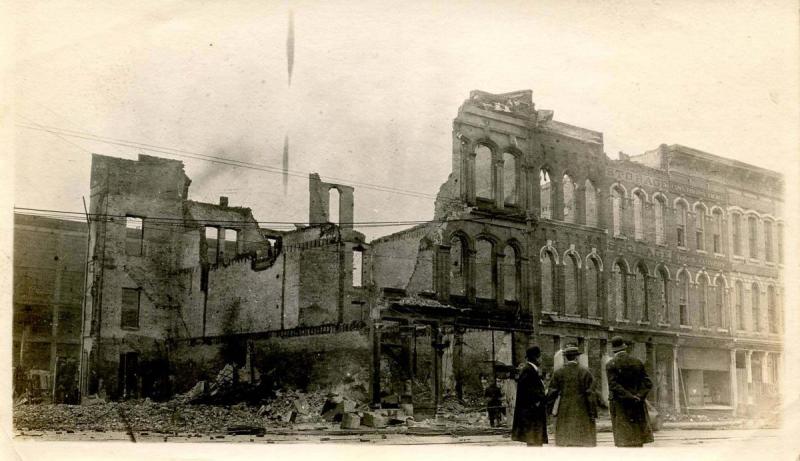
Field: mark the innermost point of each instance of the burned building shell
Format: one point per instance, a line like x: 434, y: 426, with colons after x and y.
x: 538, y: 237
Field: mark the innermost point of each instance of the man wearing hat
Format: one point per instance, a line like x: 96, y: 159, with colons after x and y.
x: 530, y: 414
x: 576, y: 411
x: 628, y: 386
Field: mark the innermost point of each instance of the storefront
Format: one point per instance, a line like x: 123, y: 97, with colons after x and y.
x: 704, y: 379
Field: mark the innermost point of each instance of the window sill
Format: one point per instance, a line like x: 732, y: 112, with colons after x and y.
x: 722, y: 330
x: 702, y: 252
x: 664, y: 325
x: 623, y: 321
x: 643, y: 323
x: 754, y: 260
x: 686, y: 327
x: 737, y: 257
x: 719, y: 255
x: 705, y: 329
x: 620, y: 237
x: 129, y: 328
x: 680, y: 248
x: 769, y: 263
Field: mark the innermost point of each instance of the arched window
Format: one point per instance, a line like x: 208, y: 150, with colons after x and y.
x: 619, y: 291
x: 510, y: 179
x: 699, y: 227
x: 333, y: 205
x: 736, y: 233
x: 702, y: 300
x: 773, y: 309
x: 755, y: 304
x: 780, y: 243
x: 548, y: 267
x: 768, y: 241
x: 680, y: 222
x: 638, y: 215
x: 511, y: 274
x: 660, y: 210
x: 593, y: 280
x: 570, y: 284
x: 617, y: 196
x: 568, y: 191
x: 590, y: 197
x: 683, y: 298
x: 719, y: 302
x: 458, y: 272
x: 483, y: 172
x: 717, y: 215
x: 752, y: 236
x: 545, y: 199
x: 485, y: 270
x: 641, y: 293
x: 739, y: 305
x: 663, y: 296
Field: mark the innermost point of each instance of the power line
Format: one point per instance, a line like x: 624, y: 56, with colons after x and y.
x: 210, y: 158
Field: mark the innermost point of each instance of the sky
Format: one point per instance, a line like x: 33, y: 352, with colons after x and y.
x: 376, y: 86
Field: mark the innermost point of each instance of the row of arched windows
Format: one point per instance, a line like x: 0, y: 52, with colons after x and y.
x: 485, y: 182
x: 486, y: 268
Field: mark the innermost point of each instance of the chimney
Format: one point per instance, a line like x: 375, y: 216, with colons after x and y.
x: 223, y: 201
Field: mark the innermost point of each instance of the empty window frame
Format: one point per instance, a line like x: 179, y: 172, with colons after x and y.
x: 568, y: 192
x: 483, y: 172
x: 212, y: 244
x: 231, y: 247
x: 510, y: 179
x: 358, y: 267
x: 590, y: 198
x: 638, y: 215
x: 545, y: 192
x: 134, y: 235
x: 617, y: 196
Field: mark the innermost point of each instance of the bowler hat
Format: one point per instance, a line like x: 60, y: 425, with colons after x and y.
x: 571, y: 349
x: 618, y: 343
x: 533, y: 352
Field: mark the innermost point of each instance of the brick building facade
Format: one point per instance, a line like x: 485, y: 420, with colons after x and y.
x: 537, y: 237
x: 49, y: 269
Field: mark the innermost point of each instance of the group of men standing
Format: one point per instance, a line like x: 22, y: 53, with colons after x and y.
x: 573, y: 397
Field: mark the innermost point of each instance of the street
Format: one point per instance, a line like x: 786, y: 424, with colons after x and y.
x: 665, y: 438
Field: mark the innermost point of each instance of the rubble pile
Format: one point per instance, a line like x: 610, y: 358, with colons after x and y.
x: 294, y: 407
x: 139, y: 416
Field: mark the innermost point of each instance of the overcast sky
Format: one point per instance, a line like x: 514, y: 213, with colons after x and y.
x: 377, y: 85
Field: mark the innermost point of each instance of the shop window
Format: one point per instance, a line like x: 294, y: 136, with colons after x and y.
x: 590, y: 197
x: 617, y: 196
x: 638, y: 215
x: 511, y: 274
x: 660, y: 210
x: 545, y: 199
x: 568, y: 192
x: 130, y: 308
x: 570, y: 284
x: 483, y: 172
x: 134, y: 235
x: 510, y: 179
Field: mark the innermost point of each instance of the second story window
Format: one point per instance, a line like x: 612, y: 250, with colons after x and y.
x: 717, y: 222
x: 568, y: 192
x: 680, y: 222
x: 483, y: 172
x: 617, y: 196
x: 590, y: 197
x: 699, y: 227
x: 545, y: 199
x: 638, y: 215
x: 510, y: 179
x: 752, y: 236
x: 768, y: 241
x: 659, y: 209
x: 736, y: 233
x: 134, y: 235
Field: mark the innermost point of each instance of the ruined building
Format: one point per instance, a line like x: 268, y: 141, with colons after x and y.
x: 49, y: 269
x: 538, y: 237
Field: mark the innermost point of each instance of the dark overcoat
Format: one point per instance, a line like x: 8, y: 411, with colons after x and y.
x: 628, y: 386
x: 573, y: 386
x: 530, y: 413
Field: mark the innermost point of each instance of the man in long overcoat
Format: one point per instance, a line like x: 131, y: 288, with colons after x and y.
x: 628, y: 386
x: 572, y: 387
x: 530, y: 414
